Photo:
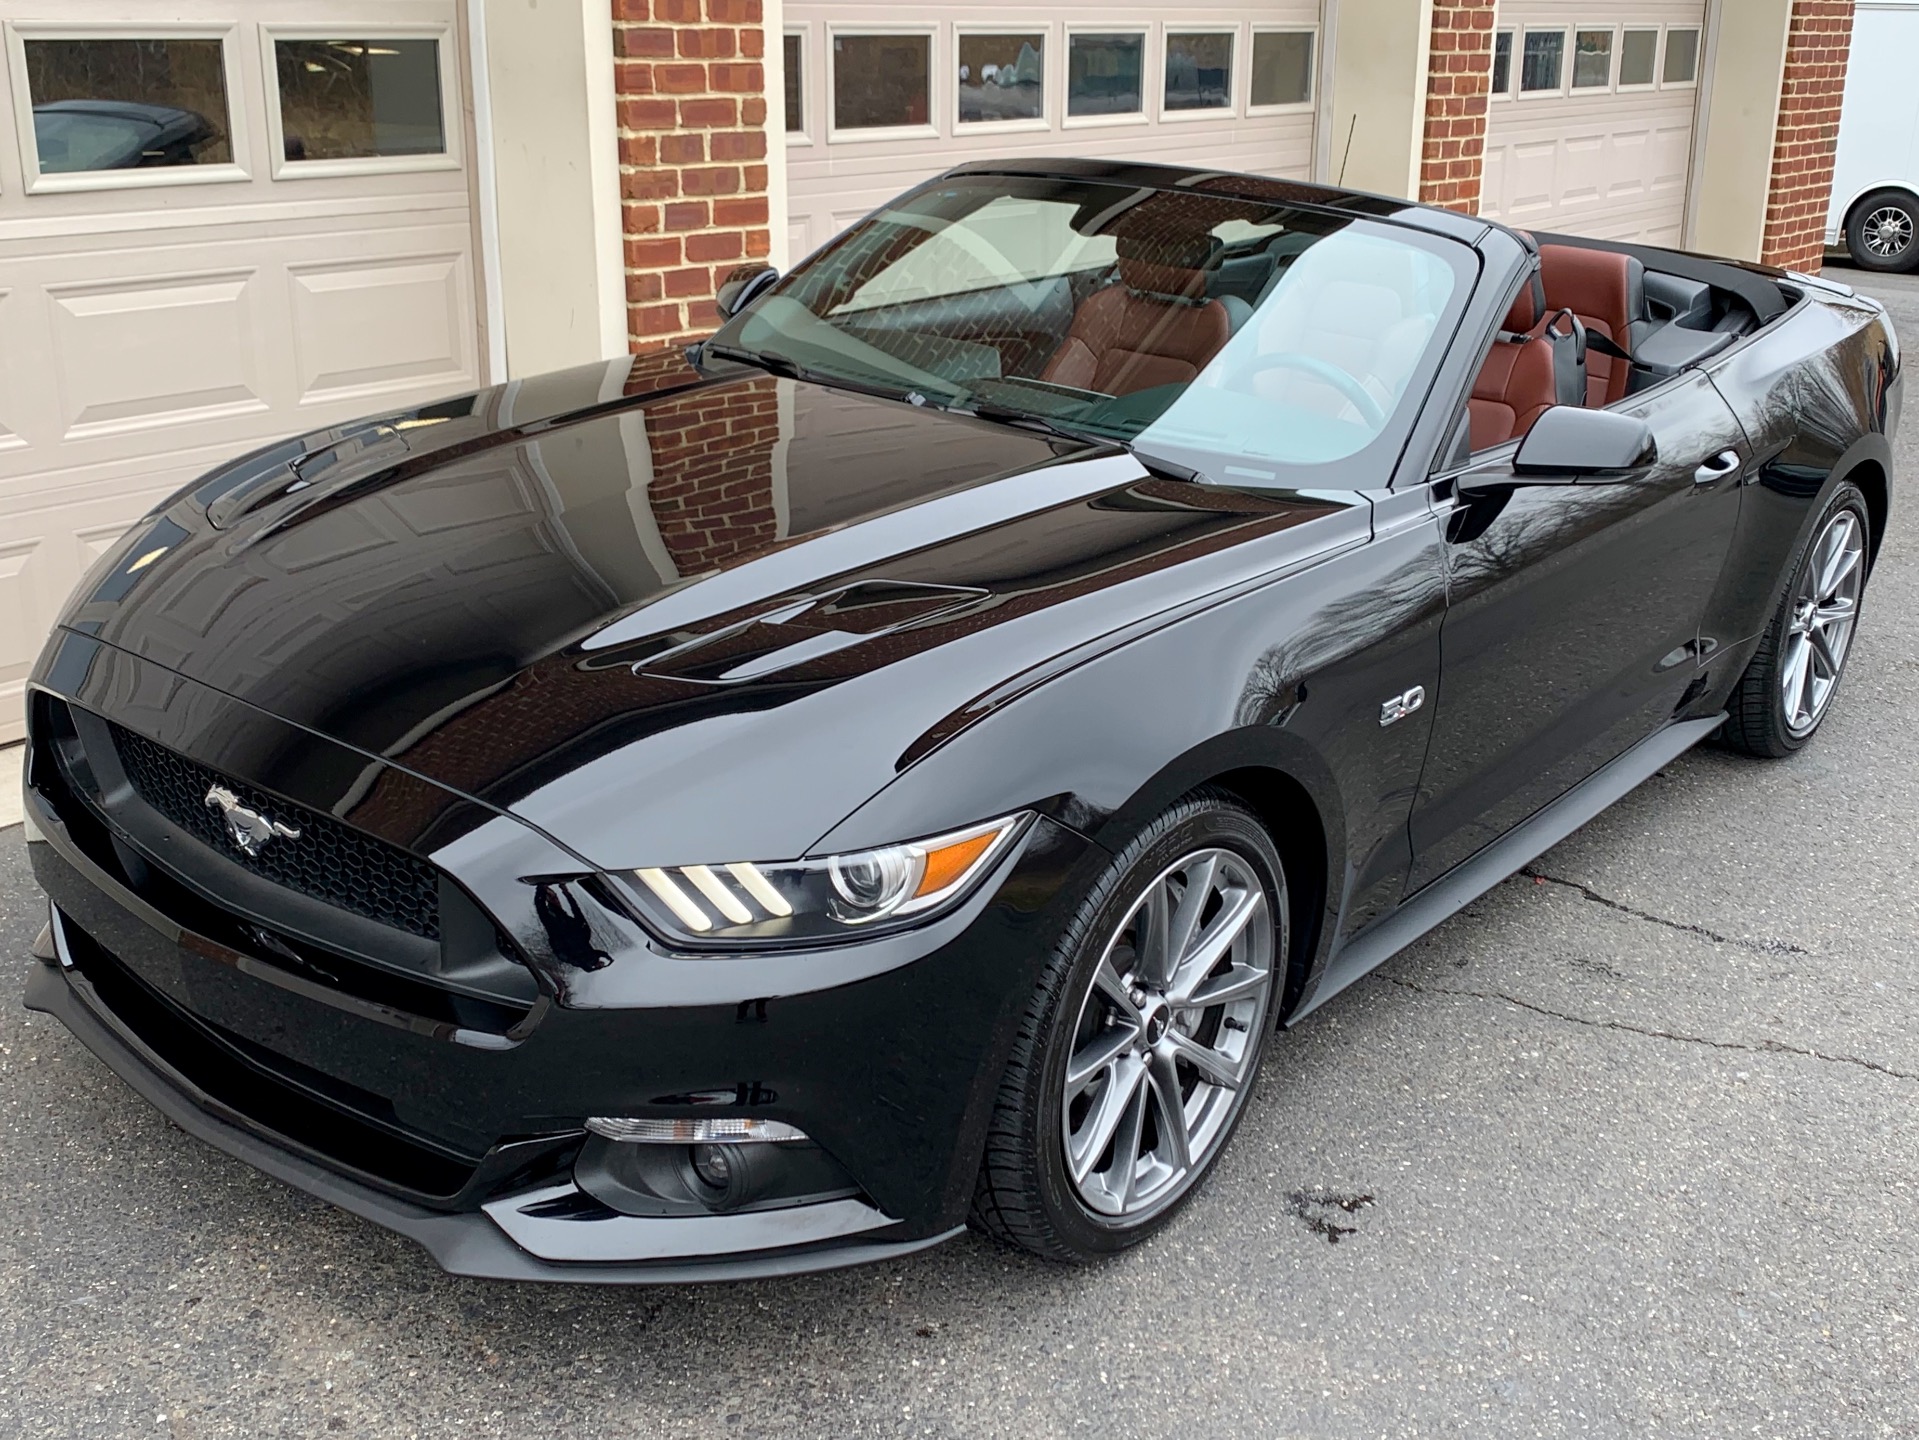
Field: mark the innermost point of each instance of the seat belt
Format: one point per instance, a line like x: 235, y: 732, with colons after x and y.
x: 1596, y: 341
x: 1569, y: 356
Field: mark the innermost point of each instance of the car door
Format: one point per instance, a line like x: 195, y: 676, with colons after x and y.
x: 1573, y: 619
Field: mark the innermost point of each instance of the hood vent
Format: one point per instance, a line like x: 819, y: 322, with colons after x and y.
x: 806, y: 629
x: 371, y: 444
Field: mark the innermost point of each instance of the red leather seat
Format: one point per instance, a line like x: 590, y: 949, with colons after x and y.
x: 1607, y: 291
x: 1153, y: 328
x: 1516, y: 382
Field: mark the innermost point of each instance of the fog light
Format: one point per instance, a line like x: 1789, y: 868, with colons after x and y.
x: 713, y: 1165
x: 722, y: 1130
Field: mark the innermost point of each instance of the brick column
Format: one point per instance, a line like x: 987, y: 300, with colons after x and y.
x: 691, y: 84
x: 1807, y: 136
x: 1458, y: 76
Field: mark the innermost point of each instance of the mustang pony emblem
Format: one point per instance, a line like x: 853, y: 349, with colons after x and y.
x: 250, y: 830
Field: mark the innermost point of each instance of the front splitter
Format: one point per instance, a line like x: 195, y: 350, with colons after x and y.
x: 472, y: 1243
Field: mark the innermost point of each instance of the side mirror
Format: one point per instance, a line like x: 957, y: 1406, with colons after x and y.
x: 741, y: 288
x: 1569, y: 444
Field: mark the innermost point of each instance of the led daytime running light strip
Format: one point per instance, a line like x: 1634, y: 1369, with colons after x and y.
x: 687, y: 911
x: 752, y: 898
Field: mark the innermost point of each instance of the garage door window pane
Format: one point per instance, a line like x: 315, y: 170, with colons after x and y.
x: 1544, y: 59
x: 1002, y: 77
x: 795, y: 84
x: 1282, y: 67
x: 1637, y: 52
x: 1682, y: 56
x: 1103, y: 74
x: 881, y: 81
x: 1503, y: 63
x: 359, y: 99
x: 1592, y: 60
x: 127, y: 104
x: 1199, y: 71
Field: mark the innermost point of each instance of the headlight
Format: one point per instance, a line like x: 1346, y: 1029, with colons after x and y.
x: 836, y: 896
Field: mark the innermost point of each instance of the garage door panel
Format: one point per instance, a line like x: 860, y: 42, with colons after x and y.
x: 20, y: 608
x: 369, y: 327
x: 135, y: 354
x: 1672, y: 157
x: 12, y: 408
x: 1633, y: 150
x: 1531, y: 174
x: 1583, y: 159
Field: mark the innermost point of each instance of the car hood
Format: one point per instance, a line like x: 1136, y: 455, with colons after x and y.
x: 664, y: 617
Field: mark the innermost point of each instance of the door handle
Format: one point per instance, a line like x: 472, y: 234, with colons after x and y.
x: 1725, y: 463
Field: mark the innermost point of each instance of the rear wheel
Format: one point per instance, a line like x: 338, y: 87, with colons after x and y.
x: 1789, y: 685
x: 1882, y: 233
x: 1141, y: 1043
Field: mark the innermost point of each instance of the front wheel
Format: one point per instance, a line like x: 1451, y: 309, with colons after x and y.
x: 1882, y: 230
x: 1141, y: 1043
x: 1789, y: 685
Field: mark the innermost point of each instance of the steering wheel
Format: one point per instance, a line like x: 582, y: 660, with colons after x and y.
x: 1361, y: 398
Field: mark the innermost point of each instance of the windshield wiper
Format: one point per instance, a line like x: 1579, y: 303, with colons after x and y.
x: 1166, y: 469
x: 787, y: 368
x: 1026, y: 419
x: 1155, y: 465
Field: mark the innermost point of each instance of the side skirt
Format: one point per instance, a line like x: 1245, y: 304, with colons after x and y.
x: 1525, y: 842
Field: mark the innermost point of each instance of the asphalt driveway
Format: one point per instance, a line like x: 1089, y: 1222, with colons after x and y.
x: 1629, y: 1146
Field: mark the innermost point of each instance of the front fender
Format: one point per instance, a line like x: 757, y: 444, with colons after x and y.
x: 1286, y: 678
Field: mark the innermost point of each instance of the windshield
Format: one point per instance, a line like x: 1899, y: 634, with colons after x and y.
x: 1238, y: 335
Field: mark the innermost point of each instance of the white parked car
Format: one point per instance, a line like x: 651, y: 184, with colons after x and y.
x: 1875, y: 182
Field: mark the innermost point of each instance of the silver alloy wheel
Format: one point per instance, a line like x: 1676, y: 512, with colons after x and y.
x: 1887, y: 231
x: 1167, y: 1035
x: 1825, y: 607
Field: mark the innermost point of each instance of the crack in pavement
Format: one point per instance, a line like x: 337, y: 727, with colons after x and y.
x: 1763, y: 947
x: 1763, y: 1047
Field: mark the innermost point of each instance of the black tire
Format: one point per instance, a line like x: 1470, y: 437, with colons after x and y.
x: 1026, y: 1195
x: 1757, y: 723
x: 1882, y: 232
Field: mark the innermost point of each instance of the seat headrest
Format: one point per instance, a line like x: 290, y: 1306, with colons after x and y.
x: 1165, y: 264
x: 1600, y: 283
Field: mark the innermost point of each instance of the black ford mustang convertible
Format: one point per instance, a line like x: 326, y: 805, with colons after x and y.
x: 899, y: 762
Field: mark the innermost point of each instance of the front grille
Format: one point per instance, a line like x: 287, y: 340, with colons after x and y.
x: 330, y: 861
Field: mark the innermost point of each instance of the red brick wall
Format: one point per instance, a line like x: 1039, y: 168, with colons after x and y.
x: 1458, y: 77
x: 691, y: 82
x: 1807, y: 136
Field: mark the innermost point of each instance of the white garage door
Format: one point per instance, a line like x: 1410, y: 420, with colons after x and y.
x: 876, y: 104
x: 219, y: 223
x: 1590, y: 126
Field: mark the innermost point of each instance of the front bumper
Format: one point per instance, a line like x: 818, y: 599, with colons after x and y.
x: 575, y: 1242
x: 517, y: 1214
